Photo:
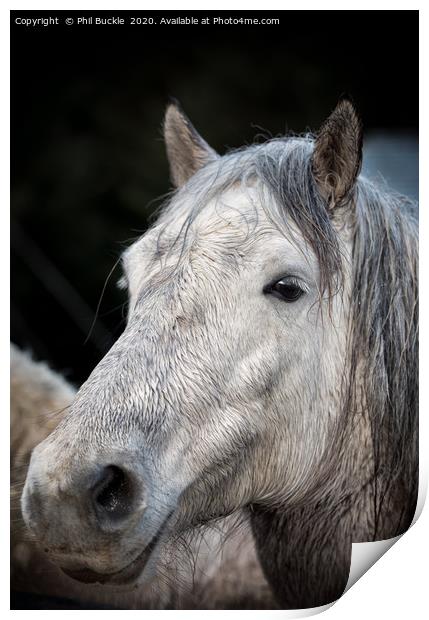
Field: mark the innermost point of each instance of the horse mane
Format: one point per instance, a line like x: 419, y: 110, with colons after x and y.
x: 385, y: 329
x: 382, y: 370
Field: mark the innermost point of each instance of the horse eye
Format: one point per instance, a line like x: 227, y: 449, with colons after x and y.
x: 286, y: 289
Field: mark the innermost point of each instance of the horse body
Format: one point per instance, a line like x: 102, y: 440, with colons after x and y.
x: 268, y: 365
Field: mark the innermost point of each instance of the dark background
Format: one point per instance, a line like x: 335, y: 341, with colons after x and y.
x: 88, y: 162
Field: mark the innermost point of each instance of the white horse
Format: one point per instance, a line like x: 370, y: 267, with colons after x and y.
x: 268, y: 365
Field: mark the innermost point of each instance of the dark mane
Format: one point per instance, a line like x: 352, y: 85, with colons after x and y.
x: 385, y: 330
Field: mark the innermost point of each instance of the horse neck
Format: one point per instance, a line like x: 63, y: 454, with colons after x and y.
x: 305, y: 547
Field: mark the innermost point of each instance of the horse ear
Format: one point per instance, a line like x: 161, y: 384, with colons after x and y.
x: 186, y: 150
x: 337, y: 156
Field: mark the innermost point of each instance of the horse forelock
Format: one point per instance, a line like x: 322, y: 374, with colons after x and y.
x: 280, y: 174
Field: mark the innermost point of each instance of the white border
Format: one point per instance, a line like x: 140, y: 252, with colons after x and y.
x: 396, y: 585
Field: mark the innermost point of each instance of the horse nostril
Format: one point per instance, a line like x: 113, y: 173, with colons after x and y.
x: 113, y: 493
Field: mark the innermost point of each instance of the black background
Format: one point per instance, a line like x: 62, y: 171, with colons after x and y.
x: 88, y: 162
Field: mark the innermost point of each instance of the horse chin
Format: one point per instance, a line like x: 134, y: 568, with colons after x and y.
x: 129, y: 574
